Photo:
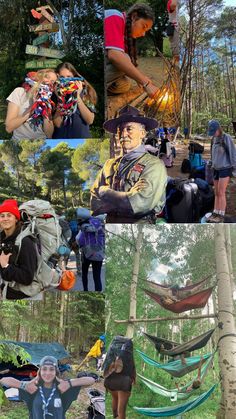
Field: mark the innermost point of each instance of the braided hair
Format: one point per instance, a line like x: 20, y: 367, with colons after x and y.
x: 142, y: 11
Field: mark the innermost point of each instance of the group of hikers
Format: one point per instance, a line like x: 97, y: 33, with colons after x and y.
x: 33, y: 259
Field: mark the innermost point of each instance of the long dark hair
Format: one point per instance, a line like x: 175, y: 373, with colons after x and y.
x: 91, y: 94
x: 143, y: 11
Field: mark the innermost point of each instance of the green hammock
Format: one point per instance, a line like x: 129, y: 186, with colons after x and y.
x: 175, y: 394
x: 176, y: 368
x: 176, y: 410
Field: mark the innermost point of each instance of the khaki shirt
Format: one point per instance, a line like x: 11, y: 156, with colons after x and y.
x: 151, y: 197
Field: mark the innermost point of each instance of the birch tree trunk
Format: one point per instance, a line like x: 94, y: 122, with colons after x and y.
x: 134, y: 281
x: 227, y: 329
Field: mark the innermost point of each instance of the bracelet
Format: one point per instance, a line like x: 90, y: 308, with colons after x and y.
x: 146, y: 84
x: 23, y: 385
x: 6, y: 266
x: 70, y: 383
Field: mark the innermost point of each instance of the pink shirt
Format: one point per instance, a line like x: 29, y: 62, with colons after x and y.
x: 114, y: 29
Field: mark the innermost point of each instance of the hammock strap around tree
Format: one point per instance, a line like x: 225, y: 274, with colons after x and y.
x: 176, y: 368
x: 175, y: 394
x: 176, y: 410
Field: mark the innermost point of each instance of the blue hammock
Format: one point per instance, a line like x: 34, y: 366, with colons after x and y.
x: 164, y: 412
x: 176, y: 368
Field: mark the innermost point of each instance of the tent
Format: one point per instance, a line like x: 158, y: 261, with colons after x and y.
x: 163, y: 412
x: 176, y: 368
x: 197, y: 300
x: 173, y: 348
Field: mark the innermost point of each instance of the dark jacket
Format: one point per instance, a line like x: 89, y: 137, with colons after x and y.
x: 22, y: 264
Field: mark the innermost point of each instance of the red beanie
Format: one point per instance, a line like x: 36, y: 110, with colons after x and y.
x: 10, y: 205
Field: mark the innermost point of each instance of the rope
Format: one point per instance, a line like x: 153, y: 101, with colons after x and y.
x: 67, y: 92
x: 225, y: 336
x: 42, y: 107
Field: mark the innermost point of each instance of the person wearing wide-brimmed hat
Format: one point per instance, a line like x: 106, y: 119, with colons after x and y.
x: 17, y: 265
x: 223, y: 156
x: 131, y: 187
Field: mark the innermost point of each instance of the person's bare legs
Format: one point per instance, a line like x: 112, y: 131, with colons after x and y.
x: 123, y: 397
x: 114, y: 403
x: 216, y: 202
x: 222, y: 186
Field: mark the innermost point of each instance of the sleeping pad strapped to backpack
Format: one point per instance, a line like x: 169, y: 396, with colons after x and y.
x: 92, y: 239
x: 41, y: 223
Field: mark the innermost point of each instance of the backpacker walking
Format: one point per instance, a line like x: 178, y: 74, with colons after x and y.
x: 91, y: 240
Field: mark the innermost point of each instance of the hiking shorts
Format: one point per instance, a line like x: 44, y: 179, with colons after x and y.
x: 218, y: 174
x: 118, y: 382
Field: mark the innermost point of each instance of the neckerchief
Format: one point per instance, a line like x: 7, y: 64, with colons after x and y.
x: 132, y: 155
x: 67, y: 92
x: 42, y: 107
x: 46, y: 402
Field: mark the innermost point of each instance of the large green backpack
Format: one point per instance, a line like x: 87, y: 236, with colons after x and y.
x: 41, y: 224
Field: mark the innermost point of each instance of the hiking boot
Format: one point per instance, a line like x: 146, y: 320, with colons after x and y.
x: 216, y: 218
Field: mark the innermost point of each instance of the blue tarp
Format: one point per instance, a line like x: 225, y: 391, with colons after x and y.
x: 38, y: 350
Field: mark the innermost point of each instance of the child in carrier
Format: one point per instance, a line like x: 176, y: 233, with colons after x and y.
x: 91, y: 240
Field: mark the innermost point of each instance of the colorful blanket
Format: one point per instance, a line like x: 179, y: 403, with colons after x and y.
x: 67, y: 92
x: 42, y: 107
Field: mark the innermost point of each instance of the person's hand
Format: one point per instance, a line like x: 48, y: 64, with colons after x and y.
x: 32, y: 386
x: 4, y: 259
x: 151, y: 90
x: 139, y: 186
x: 80, y: 87
x: 103, y: 190
x: 63, y: 385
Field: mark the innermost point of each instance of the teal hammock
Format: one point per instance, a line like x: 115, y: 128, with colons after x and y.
x: 175, y: 394
x: 164, y: 412
x: 176, y: 368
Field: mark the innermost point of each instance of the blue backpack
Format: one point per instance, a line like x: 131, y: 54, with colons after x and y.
x: 91, y: 239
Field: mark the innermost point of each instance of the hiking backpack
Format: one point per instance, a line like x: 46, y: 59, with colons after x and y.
x: 42, y: 225
x: 96, y: 409
x: 91, y: 239
x: 121, y: 350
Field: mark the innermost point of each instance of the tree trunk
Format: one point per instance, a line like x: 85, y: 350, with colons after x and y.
x: 134, y: 281
x: 227, y: 329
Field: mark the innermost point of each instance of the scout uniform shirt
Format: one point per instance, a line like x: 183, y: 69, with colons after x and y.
x: 121, y: 174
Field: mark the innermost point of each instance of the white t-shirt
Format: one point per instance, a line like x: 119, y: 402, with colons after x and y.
x: 23, y: 101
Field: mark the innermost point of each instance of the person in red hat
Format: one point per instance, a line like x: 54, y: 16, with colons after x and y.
x: 16, y: 265
x: 130, y: 188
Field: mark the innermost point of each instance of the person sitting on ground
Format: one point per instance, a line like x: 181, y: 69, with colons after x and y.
x: 47, y: 395
x: 17, y: 266
x: 20, y: 103
x: 223, y: 156
x: 121, y: 31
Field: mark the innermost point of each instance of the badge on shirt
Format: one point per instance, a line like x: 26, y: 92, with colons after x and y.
x: 138, y: 168
x: 57, y: 403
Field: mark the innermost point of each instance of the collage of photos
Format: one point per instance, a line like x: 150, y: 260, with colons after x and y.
x: 117, y: 204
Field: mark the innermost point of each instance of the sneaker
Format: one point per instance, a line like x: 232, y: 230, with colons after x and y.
x: 212, y: 217
x: 216, y: 219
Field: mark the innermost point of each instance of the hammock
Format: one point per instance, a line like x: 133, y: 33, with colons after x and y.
x: 176, y: 410
x: 173, y: 349
x: 176, y: 368
x: 198, y: 300
x: 175, y: 394
x: 175, y: 290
